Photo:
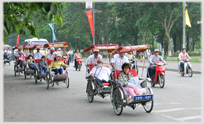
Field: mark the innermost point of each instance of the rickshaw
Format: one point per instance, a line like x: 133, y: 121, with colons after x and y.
x: 50, y: 77
x: 8, y: 58
x: 37, y: 74
x: 27, y: 70
x: 92, y: 89
x: 120, y: 98
x: 16, y: 67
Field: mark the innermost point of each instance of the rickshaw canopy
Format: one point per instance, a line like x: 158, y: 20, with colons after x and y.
x: 126, y: 49
x: 28, y: 46
x: 17, y: 47
x: 38, y: 46
x: 59, y: 44
x: 109, y: 47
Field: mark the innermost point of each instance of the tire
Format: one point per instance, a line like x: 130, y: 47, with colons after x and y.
x: 90, y: 92
x: 190, y: 72
x: 15, y: 68
x: 182, y: 74
x: 148, y: 106
x: 36, y: 76
x: 152, y: 83
x: 79, y: 67
x: 48, y: 79
x: 117, y: 101
x: 25, y: 74
x: 76, y: 67
x: 161, y: 81
x: 67, y: 81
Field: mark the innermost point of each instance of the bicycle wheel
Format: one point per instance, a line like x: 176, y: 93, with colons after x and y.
x: 148, y: 106
x: 25, y: 74
x: 47, y: 79
x: 90, y: 92
x: 190, y: 72
x: 15, y: 68
x: 67, y: 80
x: 161, y: 81
x: 36, y: 76
x: 117, y: 101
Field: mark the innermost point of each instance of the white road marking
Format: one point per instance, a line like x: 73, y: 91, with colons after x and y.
x: 176, y: 109
x: 189, y: 118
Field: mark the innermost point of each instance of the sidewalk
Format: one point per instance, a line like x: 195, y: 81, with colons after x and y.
x: 171, y: 65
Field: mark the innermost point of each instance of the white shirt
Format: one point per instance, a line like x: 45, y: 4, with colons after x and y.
x: 38, y: 55
x: 134, y: 52
x: 70, y: 52
x: 28, y: 53
x: 92, y: 60
x: 101, y: 73
x: 148, y: 52
x: 118, y: 61
x: 59, y: 52
x: 51, y: 56
x: 17, y: 53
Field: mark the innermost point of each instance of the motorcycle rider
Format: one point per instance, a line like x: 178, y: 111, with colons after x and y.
x: 130, y: 56
x: 182, y: 57
x: 76, y: 55
x: 92, y: 59
x: 153, y: 60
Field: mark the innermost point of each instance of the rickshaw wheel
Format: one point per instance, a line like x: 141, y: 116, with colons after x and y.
x: 190, y: 72
x: 48, y: 79
x: 15, y: 70
x: 25, y: 74
x: 148, y: 106
x: 161, y: 81
x: 117, y: 101
x: 67, y: 80
x: 36, y: 76
x: 90, y: 92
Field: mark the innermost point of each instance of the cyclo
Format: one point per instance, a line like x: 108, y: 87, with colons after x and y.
x: 92, y: 89
x: 27, y: 70
x: 16, y: 67
x: 7, y: 59
x: 37, y: 74
x: 51, y: 78
x: 119, y: 97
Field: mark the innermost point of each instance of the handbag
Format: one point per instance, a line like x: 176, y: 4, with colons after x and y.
x: 131, y: 83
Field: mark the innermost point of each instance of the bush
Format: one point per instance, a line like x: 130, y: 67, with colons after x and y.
x: 190, y: 53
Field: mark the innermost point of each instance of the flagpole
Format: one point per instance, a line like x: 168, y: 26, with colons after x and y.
x: 93, y: 23
x: 184, y: 25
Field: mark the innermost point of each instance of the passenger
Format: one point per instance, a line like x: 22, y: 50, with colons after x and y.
x: 21, y: 59
x: 101, y: 74
x: 43, y: 65
x: 56, y: 65
x: 30, y: 62
x: 92, y: 59
x: 118, y: 60
x: 126, y: 80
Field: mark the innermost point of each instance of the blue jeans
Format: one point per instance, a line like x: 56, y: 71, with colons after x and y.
x: 151, y: 71
x: 31, y: 66
x: 181, y: 66
x: 60, y: 71
x: 43, y: 69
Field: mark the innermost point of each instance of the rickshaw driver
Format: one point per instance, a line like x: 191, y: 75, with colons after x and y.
x: 101, y: 73
x: 118, y: 60
x: 92, y: 59
x: 38, y: 54
x: 51, y: 54
x: 17, y: 53
x: 153, y: 60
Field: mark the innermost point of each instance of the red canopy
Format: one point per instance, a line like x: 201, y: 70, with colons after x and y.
x: 38, y: 46
x: 18, y: 47
x: 125, y: 49
x: 108, y: 47
x: 59, y: 44
x: 28, y: 46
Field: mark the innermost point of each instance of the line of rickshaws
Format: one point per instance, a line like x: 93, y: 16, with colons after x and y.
x: 119, y: 97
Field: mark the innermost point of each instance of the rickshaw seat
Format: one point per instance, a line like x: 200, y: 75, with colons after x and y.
x: 37, y: 60
x: 49, y: 61
x: 26, y: 58
x: 106, y: 84
x: 94, y: 66
x: 132, y: 71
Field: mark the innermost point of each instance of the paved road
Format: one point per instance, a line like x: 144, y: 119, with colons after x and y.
x: 24, y: 101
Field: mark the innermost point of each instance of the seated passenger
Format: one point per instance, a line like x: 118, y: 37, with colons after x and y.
x: 43, y: 65
x: 30, y: 62
x: 56, y: 65
x: 101, y: 73
x: 126, y: 80
x: 21, y: 60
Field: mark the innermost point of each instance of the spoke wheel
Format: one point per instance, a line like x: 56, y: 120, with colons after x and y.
x: 36, y: 76
x: 161, y: 81
x: 148, y: 106
x: 67, y: 80
x: 48, y: 79
x: 90, y: 92
x: 15, y: 68
x: 117, y: 101
x: 190, y: 72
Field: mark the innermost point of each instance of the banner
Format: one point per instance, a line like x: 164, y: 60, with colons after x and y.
x: 17, y: 41
x: 187, y: 18
x: 90, y: 19
x: 53, y: 31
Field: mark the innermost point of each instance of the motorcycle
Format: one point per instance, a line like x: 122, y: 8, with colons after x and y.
x: 159, y: 76
x: 187, y: 69
x: 78, y: 63
x: 65, y: 60
x: 133, y: 63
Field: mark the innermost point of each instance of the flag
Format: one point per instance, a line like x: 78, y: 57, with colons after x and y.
x: 90, y: 19
x: 187, y: 18
x: 53, y: 31
x: 17, y: 41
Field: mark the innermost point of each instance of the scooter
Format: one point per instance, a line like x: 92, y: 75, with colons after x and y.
x: 133, y: 62
x: 159, y: 76
x: 65, y: 60
x: 78, y: 64
x: 187, y: 69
